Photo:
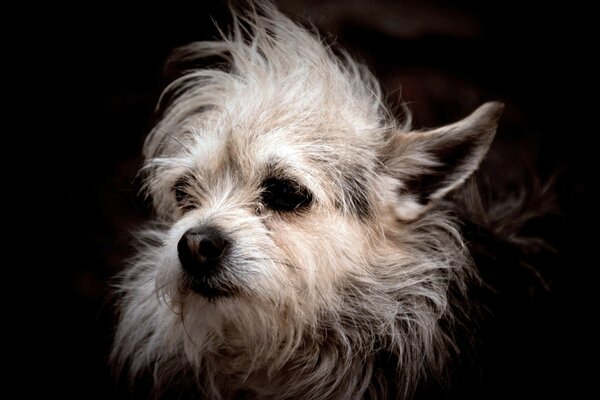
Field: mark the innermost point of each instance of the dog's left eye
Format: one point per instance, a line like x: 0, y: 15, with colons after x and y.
x: 285, y: 195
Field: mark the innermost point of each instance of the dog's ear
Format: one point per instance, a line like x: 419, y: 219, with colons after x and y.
x: 427, y: 165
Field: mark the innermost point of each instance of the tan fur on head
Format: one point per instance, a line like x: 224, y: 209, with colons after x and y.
x: 319, y: 294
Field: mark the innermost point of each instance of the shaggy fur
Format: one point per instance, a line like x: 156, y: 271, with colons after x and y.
x: 357, y: 294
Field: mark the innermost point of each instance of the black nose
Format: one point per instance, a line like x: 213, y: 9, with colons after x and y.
x: 200, y: 251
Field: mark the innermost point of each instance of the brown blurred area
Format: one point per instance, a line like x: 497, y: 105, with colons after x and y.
x: 442, y: 59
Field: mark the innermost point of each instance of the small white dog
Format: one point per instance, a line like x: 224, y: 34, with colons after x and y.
x: 303, y: 245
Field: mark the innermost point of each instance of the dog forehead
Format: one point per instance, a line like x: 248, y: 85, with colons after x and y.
x: 304, y: 146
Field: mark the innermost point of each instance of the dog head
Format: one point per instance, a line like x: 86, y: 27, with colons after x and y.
x: 292, y: 212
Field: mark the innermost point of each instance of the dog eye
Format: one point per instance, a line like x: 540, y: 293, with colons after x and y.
x: 182, y: 197
x: 284, y: 195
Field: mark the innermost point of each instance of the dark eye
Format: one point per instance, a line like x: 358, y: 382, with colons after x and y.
x: 182, y: 197
x: 285, y: 195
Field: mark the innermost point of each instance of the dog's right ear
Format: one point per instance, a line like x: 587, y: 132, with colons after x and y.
x: 427, y: 165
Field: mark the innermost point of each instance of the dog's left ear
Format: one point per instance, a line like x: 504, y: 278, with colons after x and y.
x: 427, y: 165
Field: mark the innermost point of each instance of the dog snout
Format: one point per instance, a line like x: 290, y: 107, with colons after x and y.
x: 200, y: 250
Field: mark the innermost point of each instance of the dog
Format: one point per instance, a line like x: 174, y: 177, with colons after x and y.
x: 306, y: 243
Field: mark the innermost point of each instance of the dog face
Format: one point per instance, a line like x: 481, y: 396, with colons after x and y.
x: 297, y: 224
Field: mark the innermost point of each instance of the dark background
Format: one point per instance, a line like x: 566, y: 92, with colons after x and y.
x: 101, y: 73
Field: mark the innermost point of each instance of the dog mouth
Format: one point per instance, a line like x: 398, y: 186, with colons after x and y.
x: 210, y: 287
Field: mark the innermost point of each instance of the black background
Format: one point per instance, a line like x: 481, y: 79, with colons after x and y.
x: 96, y: 73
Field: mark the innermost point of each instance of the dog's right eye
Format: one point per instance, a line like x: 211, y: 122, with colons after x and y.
x: 182, y: 197
x: 285, y: 195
